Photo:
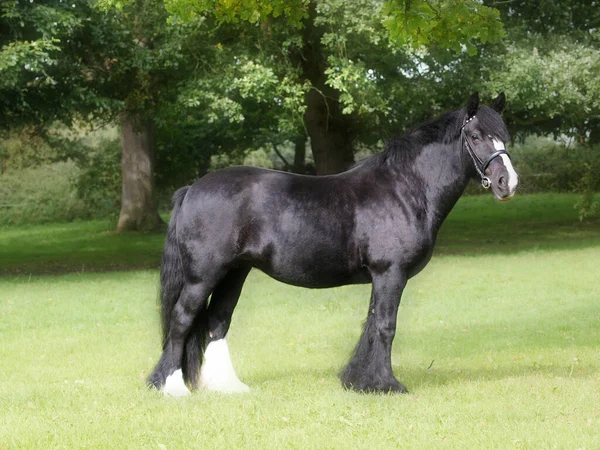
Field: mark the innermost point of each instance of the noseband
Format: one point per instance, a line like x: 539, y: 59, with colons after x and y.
x: 480, y: 166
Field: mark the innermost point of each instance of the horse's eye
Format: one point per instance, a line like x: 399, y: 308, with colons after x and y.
x: 474, y: 137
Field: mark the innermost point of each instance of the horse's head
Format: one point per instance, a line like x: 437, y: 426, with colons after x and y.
x: 484, y: 136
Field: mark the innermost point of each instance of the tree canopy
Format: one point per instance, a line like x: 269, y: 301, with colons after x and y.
x: 196, y: 78
x: 547, y: 66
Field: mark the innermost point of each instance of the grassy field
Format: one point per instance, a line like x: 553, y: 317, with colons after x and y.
x: 76, y: 247
x: 498, y: 342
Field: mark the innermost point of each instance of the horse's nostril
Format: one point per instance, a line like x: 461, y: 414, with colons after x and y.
x: 502, y: 181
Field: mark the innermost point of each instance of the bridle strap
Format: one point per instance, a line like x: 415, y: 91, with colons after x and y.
x: 492, y: 157
x: 480, y: 166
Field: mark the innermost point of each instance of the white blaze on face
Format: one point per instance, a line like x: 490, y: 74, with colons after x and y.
x: 216, y: 373
x: 175, y: 386
x: 513, y: 178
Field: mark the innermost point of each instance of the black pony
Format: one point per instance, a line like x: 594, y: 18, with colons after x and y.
x: 376, y: 223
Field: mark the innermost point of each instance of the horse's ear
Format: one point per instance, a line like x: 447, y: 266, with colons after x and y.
x: 473, y: 104
x: 499, y: 103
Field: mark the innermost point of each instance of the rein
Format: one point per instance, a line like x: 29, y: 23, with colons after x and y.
x: 480, y: 166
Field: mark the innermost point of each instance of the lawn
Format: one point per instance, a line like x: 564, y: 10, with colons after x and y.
x: 498, y: 342
x: 76, y: 247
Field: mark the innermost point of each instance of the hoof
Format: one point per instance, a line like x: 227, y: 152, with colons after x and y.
x: 381, y: 387
x: 175, y: 386
x: 154, y: 381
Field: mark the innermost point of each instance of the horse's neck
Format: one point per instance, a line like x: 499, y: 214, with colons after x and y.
x: 445, y: 177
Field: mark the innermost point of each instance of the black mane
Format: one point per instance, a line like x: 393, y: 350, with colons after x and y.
x: 443, y: 129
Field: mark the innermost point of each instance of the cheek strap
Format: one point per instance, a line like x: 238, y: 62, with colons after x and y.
x: 480, y: 166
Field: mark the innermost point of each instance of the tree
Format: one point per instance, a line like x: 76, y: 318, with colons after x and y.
x: 42, y: 62
x: 354, y: 63
x: 61, y: 62
x: 547, y: 68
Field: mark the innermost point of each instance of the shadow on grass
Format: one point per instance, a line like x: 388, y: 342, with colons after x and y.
x: 76, y: 247
x: 435, y: 373
x: 509, y: 238
x: 418, y: 378
x: 478, y: 225
x: 549, y: 347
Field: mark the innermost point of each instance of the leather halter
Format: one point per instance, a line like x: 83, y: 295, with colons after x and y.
x: 480, y: 166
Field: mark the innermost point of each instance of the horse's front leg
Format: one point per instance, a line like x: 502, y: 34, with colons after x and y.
x: 370, y: 369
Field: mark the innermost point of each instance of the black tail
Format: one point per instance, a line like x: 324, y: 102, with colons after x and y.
x: 171, y: 285
x: 171, y: 270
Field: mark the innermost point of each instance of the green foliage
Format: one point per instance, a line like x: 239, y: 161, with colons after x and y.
x: 344, y: 22
x: 555, y: 167
x: 34, y: 57
x: 260, y: 69
x: 357, y: 84
x: 40, y: 194
x: 223, y: 77
x: 261, y: 157
x: 46, y: 54
x: 444, y: 23
x: 554, y: 90
x: 548, y: 70
x: 98, y: 183
x: 577, y: 19
x: 20, y: 149
x: 251, y: 11
x: 588, y: 205
x: 546, y: 166
x: 58, y: 177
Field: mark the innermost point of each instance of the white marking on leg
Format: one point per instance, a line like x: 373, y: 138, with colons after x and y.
x: 216, y: 373
x: 175, y: 386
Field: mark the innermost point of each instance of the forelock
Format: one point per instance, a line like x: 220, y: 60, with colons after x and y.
x: 491, y: 123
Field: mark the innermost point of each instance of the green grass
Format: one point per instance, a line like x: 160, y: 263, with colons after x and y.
x: 498, y: 342
x: 479, y: 224
x: 76, y: 247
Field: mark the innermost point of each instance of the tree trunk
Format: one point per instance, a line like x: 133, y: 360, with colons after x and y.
x: 139, y: 209
x: 330, y: 131
x: 299, y: 154
x: 330, y: 136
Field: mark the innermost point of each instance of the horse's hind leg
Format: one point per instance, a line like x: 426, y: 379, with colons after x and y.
x: 216, y: 372
x: 192, y: 299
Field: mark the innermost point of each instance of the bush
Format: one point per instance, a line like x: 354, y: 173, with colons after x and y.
x: 588, y: 186
x: 40, y: 194
x: 64, y: 191
x: 545, y: 166
x: 20, y: 149
x: 556, y: 168
x: 259, y: 158
x: 98, y: 183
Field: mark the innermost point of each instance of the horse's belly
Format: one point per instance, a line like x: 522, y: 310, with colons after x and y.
x: 312, y: 279
x: 311, y: 251
x: 316, y: 269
